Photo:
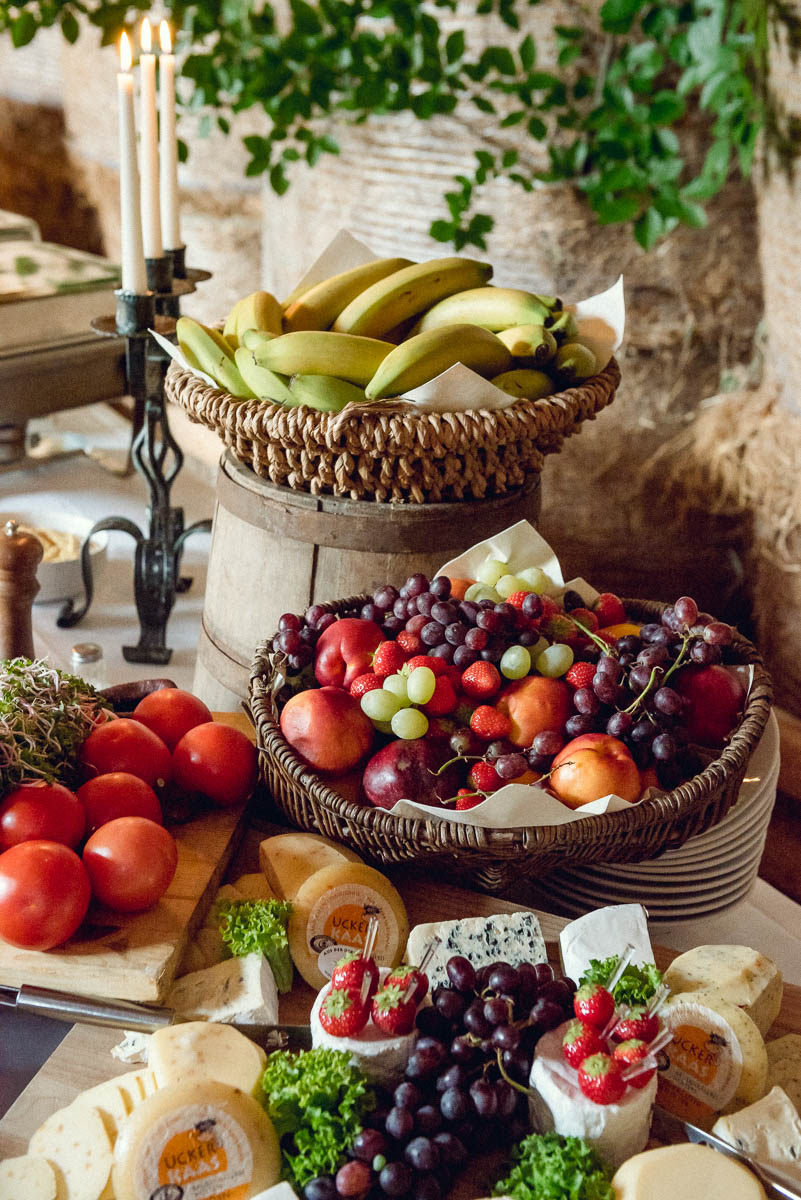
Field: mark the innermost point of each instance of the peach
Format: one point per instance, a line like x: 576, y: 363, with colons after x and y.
x: 327, y: 728
x: 534, y: 704
x: 592, y: 766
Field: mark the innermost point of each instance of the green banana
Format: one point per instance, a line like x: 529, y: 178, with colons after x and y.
x: 532, y: 343
x: 321, y: 352
x: 563, y: 327
x: 208, y: 351
x: 265, y: 384
x: 252, y: 339
x: 428, y: 354
x: 525, y: 383
x: 494, y: 308
x: 319, y: 307
x: 259, y: 310
x: 325, y: 393
x: 408, y: 292
x: 575, y: 361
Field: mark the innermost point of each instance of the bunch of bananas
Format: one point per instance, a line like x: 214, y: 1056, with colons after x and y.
x: 384, y: 328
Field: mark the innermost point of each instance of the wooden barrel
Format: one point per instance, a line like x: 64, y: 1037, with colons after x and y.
x: 274, y: 550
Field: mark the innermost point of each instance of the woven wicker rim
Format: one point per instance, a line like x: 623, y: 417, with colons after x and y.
x: 665, y: 809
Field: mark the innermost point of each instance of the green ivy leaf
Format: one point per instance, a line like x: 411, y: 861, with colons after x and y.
x: 617, y: 16
x: 528, y: 52
x: 70, y: 27
x: 666, y: 107
x: 23, y: 29
x: 649, y: 228
x: 455, y: 46
x: 441, y: 231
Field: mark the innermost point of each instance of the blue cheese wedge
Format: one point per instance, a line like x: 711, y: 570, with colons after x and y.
x: 508, y: 937
x: 602, y: 933
x: 769, y: 1131
x: 239, y: 990
x: 784, y: 1065
x: 744, y: 976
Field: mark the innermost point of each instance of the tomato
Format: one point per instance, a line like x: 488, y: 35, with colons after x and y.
x: 118, y: 794
x: 126, y: 745
x: 218, y: 762
x: 130, y: 862
x: 41, y: 810
x: 170, y: 713
x: 44, y: 894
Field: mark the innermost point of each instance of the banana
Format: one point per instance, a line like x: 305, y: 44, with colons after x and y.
x: 575, y: 361
x: 563, y: 326
x: 209, y: 351
x: 408, y: 292
x: 259, y: 310
x: 265, y: 384
x: 428, y: 354
x: 525, y: 383
x: 534, y: 344
x: 252, y: 339
x: 321, y: 352
x: 494, y: 308
x: 319, y: 307
x: 325, y: 393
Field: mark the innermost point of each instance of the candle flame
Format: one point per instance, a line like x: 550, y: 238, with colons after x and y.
x: 165, y: 37
x: 146, y: 37
x: 126, y: 57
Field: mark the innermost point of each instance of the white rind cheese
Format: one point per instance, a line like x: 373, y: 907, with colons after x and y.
x: 239, y: 990
x: 745, y: 977
x: 685, y: 1172
x: 382, y: 1058
x: 615, y: 1130
x: 602, y: 933
x: 769, y: 1131
x: 508, y: 937
x: 784, y: 1065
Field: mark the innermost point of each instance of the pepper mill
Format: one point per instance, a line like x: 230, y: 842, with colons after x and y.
x: 20, y: 555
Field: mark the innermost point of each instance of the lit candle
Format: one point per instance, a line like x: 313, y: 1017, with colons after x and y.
x: 149, y: 141
x: 168, y: 145
x: 134, y: 278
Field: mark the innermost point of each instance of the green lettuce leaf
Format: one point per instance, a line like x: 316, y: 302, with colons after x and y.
x: 258, y: 926
x: 636, y: 985
x: 548, y: 1166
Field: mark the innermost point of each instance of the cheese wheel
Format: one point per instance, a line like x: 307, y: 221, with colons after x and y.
x: 254, y: 887
x: 206, y: 1139
x: 27, y: 1176
x: 77, y: 1145
x: 688, y: 1171
x: 744, y: 976
x: 198, y: 1050
x: 330, y: 914
x: 784, y: 1065
x: 288, y: 859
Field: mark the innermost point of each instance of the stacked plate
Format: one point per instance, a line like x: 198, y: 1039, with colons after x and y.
x: 710, y: 873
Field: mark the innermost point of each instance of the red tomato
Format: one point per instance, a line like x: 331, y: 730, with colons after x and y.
x: 118, y: 794
x: 126, y: 745
x: 171, y: 713
x: 131, y: 862
x: 41, y: 810
x: 44, y: 894
x: 218, y: 762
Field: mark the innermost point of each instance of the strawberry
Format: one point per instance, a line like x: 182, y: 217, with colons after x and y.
x: 481, y: 680
x: 412, y: 643
x: 594, y: 1005
x: 549, y: 609
x: 600, y: 1078
x: 559, y: 628
x: 579, y: 1042
x: 489, y: 724
x: 437, y: 665
x: 365, y: 683
x: 516, y: 599
x: 342, y: 1013
x: 388, y: 658
x: 350, y: 972
x: 638, y: 1024
x: 444, y: 699
x: 580, y: 675
x: 465, y: 798
x: 440, y: 729
x: 484, y: 777
x: 609, y: 609
x: 391, y: 1013
x: 404, y: 976
x: 632, y: 1051
x: 588, y: 619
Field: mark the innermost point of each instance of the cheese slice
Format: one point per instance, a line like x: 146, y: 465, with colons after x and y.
x: 769, y: 1131
x: 784, y: 1065
x: 200, y: 1138
x: 239, y: 990
x: 507, y: 937
x: 27, y: 1178
x: 288, y: 859
x: 744, y: 976
x: 687, y: 1171
x: 111, y: 1101
x: 281, y: 1191
x: 205, y: 1050
x: 602, y: 933
x: 76, y: 1143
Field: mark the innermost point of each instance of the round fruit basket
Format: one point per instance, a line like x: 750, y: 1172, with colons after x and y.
x: 493, y: 859
x: 390, y: 450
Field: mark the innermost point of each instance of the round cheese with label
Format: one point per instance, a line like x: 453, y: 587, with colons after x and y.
x: 330, y: 915
x: 200, y: 1141
x: 687, y: 1171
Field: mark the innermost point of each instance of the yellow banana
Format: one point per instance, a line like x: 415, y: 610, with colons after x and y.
x: 320, y: 305
x: 325, y: 393
x: 563, y: 326
x: 494, y: 308
x: 265, y: 384
x: 532, y: 343
x: 575, y: 361
x: 524, y: 383
x: 428, y: 354
x: 408, y: 292
x: 321, y: 352
x: 259, y: 310
x: 209, y: 351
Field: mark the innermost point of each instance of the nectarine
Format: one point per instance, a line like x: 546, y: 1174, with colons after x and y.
x: 534, y: 704
x: 327, y: 728
x: 592, y: 766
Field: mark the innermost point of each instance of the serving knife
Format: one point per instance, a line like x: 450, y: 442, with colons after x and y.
x: 138, y: 1018
x: 672, y: 1128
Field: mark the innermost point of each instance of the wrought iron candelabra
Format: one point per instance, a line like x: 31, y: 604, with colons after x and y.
x: 156, y: 456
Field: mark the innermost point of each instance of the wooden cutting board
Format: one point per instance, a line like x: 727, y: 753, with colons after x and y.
x: 136, y: 957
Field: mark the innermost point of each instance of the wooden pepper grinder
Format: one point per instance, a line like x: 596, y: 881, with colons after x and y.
x: 20, y: 555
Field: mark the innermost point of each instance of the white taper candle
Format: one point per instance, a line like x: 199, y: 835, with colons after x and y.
x: 134, y: 278
x: 149, y: 141
x: 168, y: 143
